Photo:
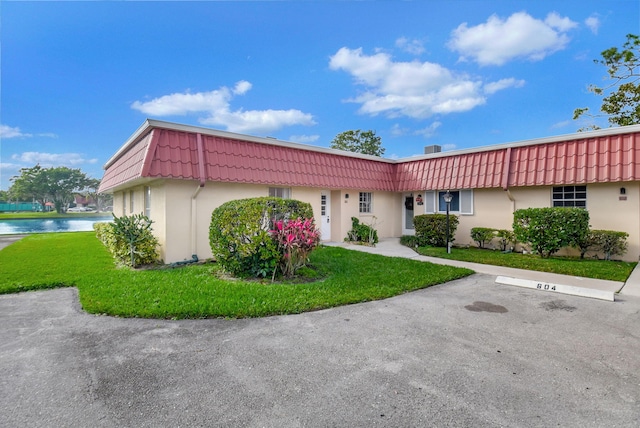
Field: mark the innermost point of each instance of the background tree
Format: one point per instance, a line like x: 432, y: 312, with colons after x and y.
x: 57, y: 185
x: 91, y: 192
x: 4, y: 196
x: 365, y: 142
x: 621, y: 102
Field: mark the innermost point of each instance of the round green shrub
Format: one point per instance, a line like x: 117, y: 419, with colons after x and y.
x: 240, y: 236
x: 431, y: 229
x: 482, y: 235
x: 549, y: 229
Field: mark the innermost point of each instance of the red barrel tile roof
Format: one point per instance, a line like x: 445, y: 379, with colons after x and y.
x: 165, y: 150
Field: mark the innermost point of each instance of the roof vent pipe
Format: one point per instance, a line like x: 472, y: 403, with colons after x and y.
x: 428, y: 150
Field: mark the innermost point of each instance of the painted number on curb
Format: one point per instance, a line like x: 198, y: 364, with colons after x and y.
x: 547, y: 287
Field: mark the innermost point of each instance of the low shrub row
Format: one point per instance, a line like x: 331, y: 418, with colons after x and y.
x: 484, y: 235
x: 544, y: 230
x: 608, y: 242
x: 547, y: 230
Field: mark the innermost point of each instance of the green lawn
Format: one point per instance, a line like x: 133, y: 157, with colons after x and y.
x: 79, y: 259
x: 587, y: 268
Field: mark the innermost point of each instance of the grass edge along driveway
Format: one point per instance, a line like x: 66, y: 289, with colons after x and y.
x: 586, y: 268
x: 78, y: 259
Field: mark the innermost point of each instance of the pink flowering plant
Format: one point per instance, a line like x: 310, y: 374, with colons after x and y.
x: 295, y: 239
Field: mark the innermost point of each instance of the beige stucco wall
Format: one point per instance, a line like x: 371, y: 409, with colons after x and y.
x: 608, y: 211
x: 174, y: 230
x: 172, y: 202
x: 385, y: 215
x: 494, y: 208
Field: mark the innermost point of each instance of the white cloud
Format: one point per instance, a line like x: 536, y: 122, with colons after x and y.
x: 53, y: 159
x: 493, y: 87
x: 562, y: 124
x: 519, y: 36
x: 414, y: 47
x: 593, y: 23
x: 414, y: 89
x: 7, y: 131
x: 216, y: 105
x: 429, y: 131
x: 304, y: 139
x: 11, y: 132
x: 559, y: 23
x: 398, y: 131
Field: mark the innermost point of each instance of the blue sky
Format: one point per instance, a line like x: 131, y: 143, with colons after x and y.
x: 78, y: 78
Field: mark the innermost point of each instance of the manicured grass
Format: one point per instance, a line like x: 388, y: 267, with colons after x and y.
x: 31, y: 215
x: 79, y: 259
x: 587, y: 268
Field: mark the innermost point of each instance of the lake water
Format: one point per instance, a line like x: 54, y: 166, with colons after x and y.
x: 76, y: 224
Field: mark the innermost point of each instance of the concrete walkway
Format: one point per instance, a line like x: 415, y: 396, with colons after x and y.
x: 6, y: 240
x: 391, y: 247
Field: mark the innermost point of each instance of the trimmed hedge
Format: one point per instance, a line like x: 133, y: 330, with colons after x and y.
x: 431, y: 229
x: 506, y: 237
x: 549, y: 229
x: 609, y: 242
x: 482, y: 235
x: 240, y: 236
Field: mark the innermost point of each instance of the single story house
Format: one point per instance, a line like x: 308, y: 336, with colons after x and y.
x: 178, y: 174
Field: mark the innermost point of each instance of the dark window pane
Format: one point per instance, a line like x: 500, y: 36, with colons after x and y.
x: 455, y: 202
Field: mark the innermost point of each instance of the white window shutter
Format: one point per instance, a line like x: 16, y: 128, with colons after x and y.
x: 429, y: 202
x: 466, y: 201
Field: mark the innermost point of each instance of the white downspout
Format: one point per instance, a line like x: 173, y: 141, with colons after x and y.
x: 512, y: 199
x: 194, y: 202
x: 194, y: 219
x: 505, y: 179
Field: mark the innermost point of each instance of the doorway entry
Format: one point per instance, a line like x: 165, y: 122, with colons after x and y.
x: 325, y: 218
x: 408, y: 202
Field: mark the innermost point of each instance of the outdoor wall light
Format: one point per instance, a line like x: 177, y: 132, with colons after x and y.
x: 448, y: 197
x: 623, y: 191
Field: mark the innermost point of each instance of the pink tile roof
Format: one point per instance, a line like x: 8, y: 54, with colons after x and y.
x: 577, y: 159
x: 590, y: 160
x: 127, y: 166
x: 166, y: 150
x: 464, y: 171
x: 172, y: 152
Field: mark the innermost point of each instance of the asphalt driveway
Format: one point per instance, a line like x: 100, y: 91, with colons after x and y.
x: 467, y: 353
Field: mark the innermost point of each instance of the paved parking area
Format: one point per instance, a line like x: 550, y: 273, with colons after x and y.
x: 467, y: 353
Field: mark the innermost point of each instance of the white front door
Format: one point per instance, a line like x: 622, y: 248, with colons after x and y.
x: 325, y: 219
x: 408, y: 209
